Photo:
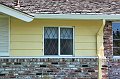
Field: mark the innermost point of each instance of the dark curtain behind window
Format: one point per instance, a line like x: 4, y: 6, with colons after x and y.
x: 51, y: 41
x: 66, y: 41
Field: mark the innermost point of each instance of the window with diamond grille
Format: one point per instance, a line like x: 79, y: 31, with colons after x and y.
x: 51, y: 41
x: 116, y: 38
x: 66, y: 41
x: 58, y: 41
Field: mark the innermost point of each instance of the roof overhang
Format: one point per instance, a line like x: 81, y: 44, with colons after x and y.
x: 26, y: 17
x: 14, y: 13
x: 111, y: 17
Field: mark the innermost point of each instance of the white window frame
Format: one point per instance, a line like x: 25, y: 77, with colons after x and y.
x: 59, y: 40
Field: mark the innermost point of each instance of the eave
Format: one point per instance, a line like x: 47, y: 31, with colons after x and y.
x: 111, y: 17
x: 15, y: 13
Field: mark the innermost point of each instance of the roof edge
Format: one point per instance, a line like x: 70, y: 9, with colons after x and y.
x: 15, y: 13
x: 79, y: 16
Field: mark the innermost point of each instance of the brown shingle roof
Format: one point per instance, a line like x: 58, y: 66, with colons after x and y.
x: 66, y: 6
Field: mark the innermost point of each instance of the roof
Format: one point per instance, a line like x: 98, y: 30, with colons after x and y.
x: 15, y: 13
x: 66, y: 6
x: 22, y: 12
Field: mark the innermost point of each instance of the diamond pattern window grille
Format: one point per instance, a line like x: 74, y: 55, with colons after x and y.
x: 51, y: 41
x: 66, y: 41
x: 58, y: 41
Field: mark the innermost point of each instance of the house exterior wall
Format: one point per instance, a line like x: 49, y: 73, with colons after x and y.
x: 4, y: 36
x: 48, y: 68
x: 110, y: 67
x: 108, y: 40
x: 26, y: 39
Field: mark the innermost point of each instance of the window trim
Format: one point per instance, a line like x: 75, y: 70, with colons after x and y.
x: 59, y: 40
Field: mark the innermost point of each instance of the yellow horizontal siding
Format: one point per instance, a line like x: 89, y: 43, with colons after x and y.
x: 26, y: 45
x: 26, y: 38
x: 85, y: 53
x: 54, y: 22
x: 26, y: 53
x: 88, y: 26
x: 85, y: 46
x: 26, y: 30
x: 86, y: 39
x: 85, y: 31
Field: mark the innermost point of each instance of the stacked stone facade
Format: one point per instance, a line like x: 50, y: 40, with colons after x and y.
x: 48, y: 68
x: 108, y: 45
x: 114, y: 69
x: 108, y: 40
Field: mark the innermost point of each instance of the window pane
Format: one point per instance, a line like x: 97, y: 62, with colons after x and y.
x: 116, y: 51
x: 51, y: 41
x: 116, y: 43
x: 116, y: 38
x: 66, y: 41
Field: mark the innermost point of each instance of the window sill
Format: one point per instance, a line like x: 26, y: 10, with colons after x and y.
x: 52, y: 57
x: 116, y: 57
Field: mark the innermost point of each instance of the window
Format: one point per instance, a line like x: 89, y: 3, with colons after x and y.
x: 58, y: 41
x: 116, y: 38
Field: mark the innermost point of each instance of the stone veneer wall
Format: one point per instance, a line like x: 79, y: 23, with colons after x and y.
x: 108, y: 51
x: 48, y: 68
x: 108, y: 40
x: 104, y: 69
x: 114, y: 69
